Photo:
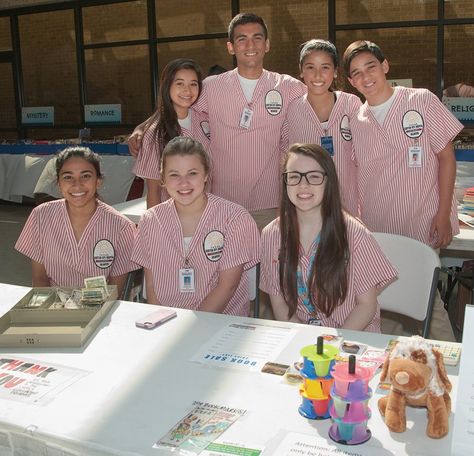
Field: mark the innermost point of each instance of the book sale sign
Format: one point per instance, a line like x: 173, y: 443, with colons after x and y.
x: 32, y: 381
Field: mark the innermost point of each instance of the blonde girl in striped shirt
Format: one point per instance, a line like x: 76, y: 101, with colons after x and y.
x: 195, y: 247
x: 78, y: 236
x: 320, y: 265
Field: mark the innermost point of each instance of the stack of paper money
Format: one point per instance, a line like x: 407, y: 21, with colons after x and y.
x: 67, y: 299
x: 95, y: 292
x: 74, y: 301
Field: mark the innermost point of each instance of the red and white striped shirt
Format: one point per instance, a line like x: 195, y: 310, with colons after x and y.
x: 225, y: 237
x: 147, y: 165
x: 246, y: 161
x: 105, y: 247
x: 367, y: 268
x: 303, y: 126
x: 395, y: 197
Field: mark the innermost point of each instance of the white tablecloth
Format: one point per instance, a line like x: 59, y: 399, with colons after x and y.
x: 142, y: 382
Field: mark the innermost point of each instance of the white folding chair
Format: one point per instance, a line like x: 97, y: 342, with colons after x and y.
x: 134, y: 286
x: 418, y: 265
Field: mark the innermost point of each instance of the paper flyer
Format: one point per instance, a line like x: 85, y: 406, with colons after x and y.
x: 246, y: 346
x: 308, y: 445
x: 33, y: 381
x: 199, y: 428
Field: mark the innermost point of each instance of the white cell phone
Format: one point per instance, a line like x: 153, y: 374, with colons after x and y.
x: 156, y: 318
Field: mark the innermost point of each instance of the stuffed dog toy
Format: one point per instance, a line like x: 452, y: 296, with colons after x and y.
x: 418, y: 377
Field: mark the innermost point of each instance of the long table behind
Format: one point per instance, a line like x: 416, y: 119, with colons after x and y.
x: 26, y: 169
x: 140, y: 383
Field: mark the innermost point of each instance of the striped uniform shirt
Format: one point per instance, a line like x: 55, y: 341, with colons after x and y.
x: 303, y: 126
x: 394, y: 196
x: 147, y: 165
x: 105, y: 247
x: 367, y: 268
x: 247, y: 160
x: 225, y: 237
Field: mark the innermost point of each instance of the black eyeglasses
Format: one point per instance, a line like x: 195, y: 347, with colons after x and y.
x: 312, y: 177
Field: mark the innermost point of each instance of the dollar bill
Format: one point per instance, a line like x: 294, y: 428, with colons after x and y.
x: 93, y: 296
x: 74, y: 301
x: 95, y: 282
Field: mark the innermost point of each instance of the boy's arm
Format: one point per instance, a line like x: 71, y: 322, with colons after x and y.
x: 440, y: 231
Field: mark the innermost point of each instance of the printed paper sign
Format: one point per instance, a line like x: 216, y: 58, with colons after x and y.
x: 295, y: 444
x: 199, y: 428
x: 33, y: 381
x: 103, y: 113
x: 38, y: 115
x: 245, y: 346
x: 461, y: 107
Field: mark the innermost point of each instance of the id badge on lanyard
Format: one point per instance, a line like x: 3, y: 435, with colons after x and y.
x: 186, y: 280
x: 246, y: 118
x: 415, y: 156
x: 327, y: 143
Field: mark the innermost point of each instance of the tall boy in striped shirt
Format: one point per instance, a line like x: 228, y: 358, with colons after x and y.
x: 246, y: 108
x: 404, y: 153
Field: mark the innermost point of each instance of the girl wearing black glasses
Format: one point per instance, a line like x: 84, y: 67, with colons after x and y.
x: 320, y: 265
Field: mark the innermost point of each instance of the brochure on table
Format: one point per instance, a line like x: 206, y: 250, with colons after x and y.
x: 199, y: 428
x: 246, y: 346
x: 463, y: 436
x: 312, y: 445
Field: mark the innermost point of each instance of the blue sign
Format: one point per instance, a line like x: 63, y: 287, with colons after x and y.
x: 103, y: 113
x: 38, y: 115
x: 461, y: 107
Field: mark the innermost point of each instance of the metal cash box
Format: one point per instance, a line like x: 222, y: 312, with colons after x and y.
x: 44, y: 326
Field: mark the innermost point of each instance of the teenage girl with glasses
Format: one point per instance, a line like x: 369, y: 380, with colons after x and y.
x: 319, y: 264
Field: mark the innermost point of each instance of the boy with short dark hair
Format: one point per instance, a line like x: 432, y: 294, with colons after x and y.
x: 247, y: 107
x: 405, y: 159
x: 400, y: 195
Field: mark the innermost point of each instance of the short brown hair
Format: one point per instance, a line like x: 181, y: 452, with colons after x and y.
x: 246, y: 18
x: 358, y: 47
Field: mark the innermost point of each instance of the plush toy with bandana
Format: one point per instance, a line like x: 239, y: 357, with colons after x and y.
x: 418, y: 377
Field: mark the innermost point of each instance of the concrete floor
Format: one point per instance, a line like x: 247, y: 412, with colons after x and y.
x: 14, y: 267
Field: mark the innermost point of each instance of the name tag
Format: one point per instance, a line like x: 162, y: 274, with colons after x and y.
x: 246, y: 118
x: 186, y: 280
x: 415, y: 157
x: 326, y: 143
x: 315, y: 322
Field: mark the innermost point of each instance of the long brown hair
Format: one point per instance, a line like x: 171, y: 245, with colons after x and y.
x: 167, y: 126
x: 327, y: 282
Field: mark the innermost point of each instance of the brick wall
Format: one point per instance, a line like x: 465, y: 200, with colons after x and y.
x: 290, y: 23
x: 122, y: 74
x: 48, y: 57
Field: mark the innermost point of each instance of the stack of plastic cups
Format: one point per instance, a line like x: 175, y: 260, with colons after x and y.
x: 318, y: 361
x: 350, y: 396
